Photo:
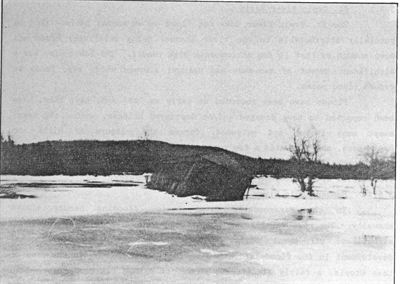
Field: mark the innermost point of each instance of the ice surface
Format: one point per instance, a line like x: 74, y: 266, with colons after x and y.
x: 69, y: 201
x: 138, y: 235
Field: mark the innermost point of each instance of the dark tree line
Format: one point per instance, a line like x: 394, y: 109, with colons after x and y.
x: 113, y: 157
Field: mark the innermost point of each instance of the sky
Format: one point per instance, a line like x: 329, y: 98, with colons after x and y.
x: 233, y: 75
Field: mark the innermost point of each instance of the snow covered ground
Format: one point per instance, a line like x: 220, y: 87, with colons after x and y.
x: 58, y: 201
x: 137, y: 235
x: 62, y: 201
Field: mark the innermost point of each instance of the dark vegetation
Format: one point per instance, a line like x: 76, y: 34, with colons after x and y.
x: 14, y: 195
x: 7, y: 192
x: 139, y: 156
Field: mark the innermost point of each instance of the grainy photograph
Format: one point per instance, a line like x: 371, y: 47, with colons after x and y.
x: 198, y: 142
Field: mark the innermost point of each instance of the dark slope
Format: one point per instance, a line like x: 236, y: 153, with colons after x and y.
x: 101, y: 157
x: 114, y: 157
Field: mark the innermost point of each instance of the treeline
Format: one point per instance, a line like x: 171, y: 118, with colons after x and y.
x: 139, y: 156
x: 97, y: 157
x: 288, y: 168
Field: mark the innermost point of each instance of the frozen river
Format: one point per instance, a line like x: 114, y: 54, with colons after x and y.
x: 130, y: 234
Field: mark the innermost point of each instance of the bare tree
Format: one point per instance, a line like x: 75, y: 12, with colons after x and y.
x: 7, y: 142
x: 305, y: 151
x: 146, y: 135
x: 376, y: 160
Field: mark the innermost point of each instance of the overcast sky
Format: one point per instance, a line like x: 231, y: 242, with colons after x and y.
x: 232, y: 75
